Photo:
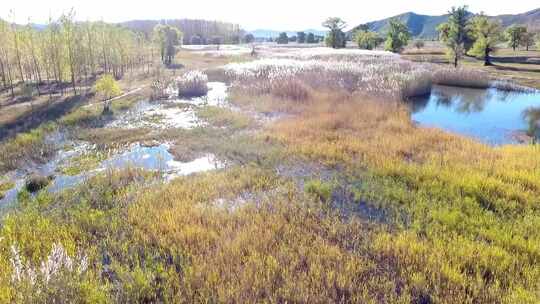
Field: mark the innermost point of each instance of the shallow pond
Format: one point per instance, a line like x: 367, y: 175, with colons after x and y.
x: 172, y: 113
x: 154, y: 158
x: 492, y: 116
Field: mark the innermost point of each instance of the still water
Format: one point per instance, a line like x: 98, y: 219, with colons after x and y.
x: 492, y: 116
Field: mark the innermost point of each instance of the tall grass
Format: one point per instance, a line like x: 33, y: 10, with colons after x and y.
x: 462, y: 77
x: 388, y: 77
x: 471, y: 209
x: 381, y: 76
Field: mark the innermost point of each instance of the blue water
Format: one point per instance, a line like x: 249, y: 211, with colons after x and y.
x: 492, y: 116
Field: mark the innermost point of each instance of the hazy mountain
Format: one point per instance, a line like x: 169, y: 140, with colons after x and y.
x: 425, y: 26
x: 266, y: 33
x: 531, y: 19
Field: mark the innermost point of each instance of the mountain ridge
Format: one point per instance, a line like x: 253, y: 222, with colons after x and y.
x: 425, y: 26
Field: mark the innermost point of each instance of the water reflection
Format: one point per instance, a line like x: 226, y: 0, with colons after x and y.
x: 492, y: 116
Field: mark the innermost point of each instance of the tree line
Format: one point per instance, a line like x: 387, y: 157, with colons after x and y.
x: 194, y: 31
x: 66, y: 53
x: 479, y: 36
x: 463, y: 34
x: 301, y: 37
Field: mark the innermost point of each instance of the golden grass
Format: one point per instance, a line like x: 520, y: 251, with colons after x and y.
x: 468, y: 201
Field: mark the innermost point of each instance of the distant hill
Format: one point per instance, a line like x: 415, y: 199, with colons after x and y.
x: 530, y: 19
x: 425, y: 26
x: 266, y: 33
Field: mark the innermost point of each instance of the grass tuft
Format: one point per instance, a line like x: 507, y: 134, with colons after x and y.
x: 192, y: 84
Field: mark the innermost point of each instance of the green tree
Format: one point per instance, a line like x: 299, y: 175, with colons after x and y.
x: 487, y: 34
x: 367, y: 40
x: 455, y: 34
x: 107, y: 87
x: 335, y: 37
x: 301, y: 37
x: 283, y: 38
x: 398, y: 36
x: 515, y: 35
x: 167, y: 37
x: 527, y: 40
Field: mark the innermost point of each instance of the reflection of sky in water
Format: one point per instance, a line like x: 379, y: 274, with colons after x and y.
x: 491, y: 116
x: 158, y: 158
x: 155, y: 158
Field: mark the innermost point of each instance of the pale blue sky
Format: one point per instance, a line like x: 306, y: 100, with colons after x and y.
x: 251, y: 14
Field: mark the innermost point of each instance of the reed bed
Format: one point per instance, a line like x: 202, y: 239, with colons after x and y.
x: 385, y: 76
x: 376, y: 74
x: 192, y: 84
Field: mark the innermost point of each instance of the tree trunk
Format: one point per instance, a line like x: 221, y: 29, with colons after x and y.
x: 487, y: 59
x: 10, y: 78
x: 4, y: 82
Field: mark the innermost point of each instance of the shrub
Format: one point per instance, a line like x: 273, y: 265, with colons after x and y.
x: 192, y: 84
x: 35, y: 182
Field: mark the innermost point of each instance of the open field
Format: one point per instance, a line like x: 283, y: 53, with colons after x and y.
x: 299, y: 178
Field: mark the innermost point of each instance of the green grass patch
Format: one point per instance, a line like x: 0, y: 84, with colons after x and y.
x: 4, y: 187
x: 125, y: 103
x: 83, y: 163
x: 223, y: 117
x: 83, y: 116
x: 26, y: 146
x: 319, y: 189
x: 154, y: 118
x: 89, y: 115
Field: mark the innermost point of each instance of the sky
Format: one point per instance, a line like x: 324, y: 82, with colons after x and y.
x: 250, y: 14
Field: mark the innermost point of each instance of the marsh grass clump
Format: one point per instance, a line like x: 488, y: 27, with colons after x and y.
x: 35, y: 183
x: 192, y: 84
x: 223, y: 117
x: 319, y: 189
x: 379, y: 76
x: 27, y: 146
x: 4, y: 187
x: 462, y: 77
x: 83, y: 163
